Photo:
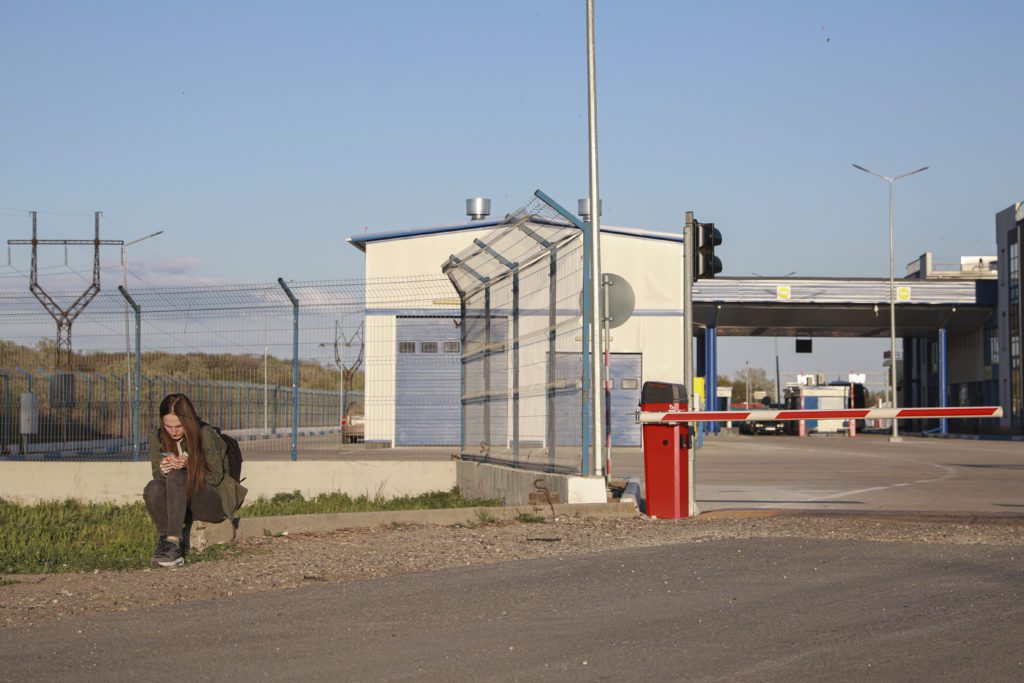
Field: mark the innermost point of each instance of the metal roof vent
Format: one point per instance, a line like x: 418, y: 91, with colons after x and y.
x: 478, y: 208
x: 583, y: 207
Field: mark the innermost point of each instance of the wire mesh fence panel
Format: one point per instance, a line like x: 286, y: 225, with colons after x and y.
x: 234, y: 350
x: 520, y: 289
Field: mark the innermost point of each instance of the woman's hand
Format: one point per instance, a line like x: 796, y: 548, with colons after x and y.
x: 172, y: 462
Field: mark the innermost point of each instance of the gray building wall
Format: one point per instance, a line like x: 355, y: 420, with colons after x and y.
x: 1008, y: 221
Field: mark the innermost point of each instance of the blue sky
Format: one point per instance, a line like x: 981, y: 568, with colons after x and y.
x: 259, y: 135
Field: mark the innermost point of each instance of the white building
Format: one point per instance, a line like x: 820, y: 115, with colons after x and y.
x: 412, y: 335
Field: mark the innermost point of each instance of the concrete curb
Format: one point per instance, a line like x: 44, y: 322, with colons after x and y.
x: 633, y: 492
x: 204, y: 534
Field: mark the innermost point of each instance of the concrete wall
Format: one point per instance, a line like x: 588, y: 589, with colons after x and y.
x: 481, y: 480
x: 122, y: 482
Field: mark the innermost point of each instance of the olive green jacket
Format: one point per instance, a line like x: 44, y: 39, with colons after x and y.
x: 231, y: 492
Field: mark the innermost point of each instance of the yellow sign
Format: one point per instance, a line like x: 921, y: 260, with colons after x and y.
x: 903, y: 293
x: 698, y: 387
x: 783, y: 293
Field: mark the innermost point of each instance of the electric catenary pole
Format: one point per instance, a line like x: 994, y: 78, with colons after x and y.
x: 64, y: 317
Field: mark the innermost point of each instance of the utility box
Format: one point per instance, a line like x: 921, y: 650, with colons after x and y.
x: 29, y: 413
x: 667, y: 454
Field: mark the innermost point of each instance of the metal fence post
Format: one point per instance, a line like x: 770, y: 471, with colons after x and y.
x: 550, y: 429
x: 515, y: 364
x: 136, y: 434
x: 295, y: 367
x: 463, y: 337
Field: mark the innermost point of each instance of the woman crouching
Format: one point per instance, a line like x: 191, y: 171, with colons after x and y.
x: 190, y: 479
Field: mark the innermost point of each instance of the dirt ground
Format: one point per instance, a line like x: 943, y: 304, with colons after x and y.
x: 273, y: 563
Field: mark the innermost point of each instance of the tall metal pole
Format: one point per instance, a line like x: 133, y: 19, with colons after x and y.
x: 341, y: 382
x: 688, y: 246
x: 136, y: 434
x: 594, y: 284
x: 895, y: 438
x: 778, y: 376
x: 132, y: 390
x: 295, y: 367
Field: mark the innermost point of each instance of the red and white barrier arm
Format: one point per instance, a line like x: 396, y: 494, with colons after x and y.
x: 842, y: 414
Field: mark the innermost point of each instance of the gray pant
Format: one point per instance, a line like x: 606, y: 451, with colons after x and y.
x: 169, y: 508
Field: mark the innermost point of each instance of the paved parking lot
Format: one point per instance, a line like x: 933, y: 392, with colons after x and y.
x: 816, y: 472
x: 863, y: 473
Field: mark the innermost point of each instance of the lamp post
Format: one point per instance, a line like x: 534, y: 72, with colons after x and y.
x: 895, y: 438
x: 748, y: 383
x: 127, y: 335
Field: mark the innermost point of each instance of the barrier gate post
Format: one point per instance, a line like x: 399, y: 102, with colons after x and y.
x: 666, y: 453
x: 668, y: 457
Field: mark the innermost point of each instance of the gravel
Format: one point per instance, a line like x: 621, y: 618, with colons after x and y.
x: 273, y: 563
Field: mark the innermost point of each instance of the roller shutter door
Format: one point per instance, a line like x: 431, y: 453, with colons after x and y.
x: 427, y: 382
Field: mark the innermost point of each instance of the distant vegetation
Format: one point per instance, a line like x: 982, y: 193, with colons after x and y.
x: 194, y: 365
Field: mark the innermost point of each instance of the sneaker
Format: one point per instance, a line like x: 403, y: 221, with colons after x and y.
x: 168, y: 554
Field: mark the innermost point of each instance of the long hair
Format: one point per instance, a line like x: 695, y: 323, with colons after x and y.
x: 180, y: 406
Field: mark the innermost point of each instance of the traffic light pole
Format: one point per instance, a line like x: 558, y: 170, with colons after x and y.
x: 689, y: 244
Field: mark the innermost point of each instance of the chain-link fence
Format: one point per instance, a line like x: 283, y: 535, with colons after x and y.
x: 521, y: 290
x: 235, y: 350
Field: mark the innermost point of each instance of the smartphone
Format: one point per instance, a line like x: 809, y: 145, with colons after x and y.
x: 166, y: 454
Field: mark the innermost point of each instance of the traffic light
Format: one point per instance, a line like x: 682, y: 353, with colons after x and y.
x: 705, y: 239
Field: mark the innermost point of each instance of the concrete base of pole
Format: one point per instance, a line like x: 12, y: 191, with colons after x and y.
x: 895, y: 439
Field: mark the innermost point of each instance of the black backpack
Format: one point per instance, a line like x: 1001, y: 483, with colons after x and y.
x: 232, y: 453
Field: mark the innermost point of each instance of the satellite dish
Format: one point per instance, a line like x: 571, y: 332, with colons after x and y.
x: 619, y: 297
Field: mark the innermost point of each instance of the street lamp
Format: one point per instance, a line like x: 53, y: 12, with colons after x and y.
x: 127, y: 335
x: 895, y: 438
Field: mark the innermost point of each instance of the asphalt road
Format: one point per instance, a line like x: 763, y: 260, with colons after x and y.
x: 755, y: 609
x: 747, y: 610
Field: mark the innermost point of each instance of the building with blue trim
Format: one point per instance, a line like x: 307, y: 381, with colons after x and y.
x: 960, y: 326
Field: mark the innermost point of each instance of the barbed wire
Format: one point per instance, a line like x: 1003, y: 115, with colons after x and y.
x: 234, y: 300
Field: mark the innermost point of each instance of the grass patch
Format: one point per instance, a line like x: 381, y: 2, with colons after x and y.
x: 7, y: 582
x: 73, y: 537
x: 295, y: 504
x: 485, y: 517
x: 530, y: 518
